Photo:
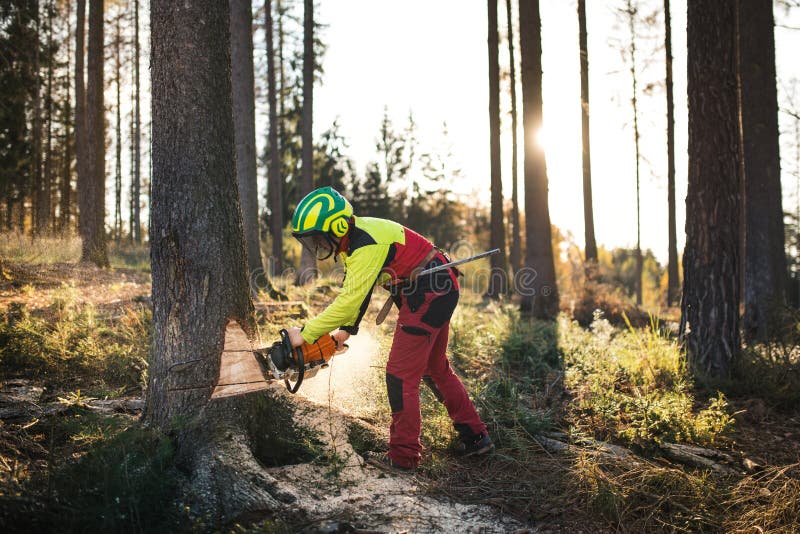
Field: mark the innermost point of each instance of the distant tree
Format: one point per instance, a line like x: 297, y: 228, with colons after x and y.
x: 630, y: 13
x: 91, y: 193
x: 673, y: 281
x: 390, y: 172
x: 588, y: 210
x: 516, y: 235
x: 538, y: 284
x: 65, y: 189
x: 136, y: 175
x: 710, y: 307
x: 117, y: 232
x: 39, y: 219
x: 46, y: 216
x: 274, y: 177
x: 81, y: 154
x: 308, y: 263
x: 765, y: 262
x: 497, y: 282
x: 244, y: 120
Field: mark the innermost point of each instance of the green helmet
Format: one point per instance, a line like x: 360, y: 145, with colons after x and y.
x: 321, y: 214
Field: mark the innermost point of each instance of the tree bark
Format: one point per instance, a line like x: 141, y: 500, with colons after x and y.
x: 308, y: 263
x: 274, y: 178
x: 765, y: 261
x: 80, y: 110
x: 38, y: 219
x: 516, y: 236
x: 710, y: 304
x: 66, y: 180
x: 46, y: 215
x: 673, y: 279
x: 199, y: 263
x: 588, y: 209
x: 136, y: 235
x: 536, y: 282
x: 244, y: 121
x: 197, y: 245
x: 118, y: 144
x: 92, y: 197
x: 630, y: 12
x: 499, y: 275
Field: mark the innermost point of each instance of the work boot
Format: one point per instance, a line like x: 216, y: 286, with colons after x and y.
x: 382, y: 461
x: 481, y: 444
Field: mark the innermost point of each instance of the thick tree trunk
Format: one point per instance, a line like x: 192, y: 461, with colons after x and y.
x: 673, y: 280
x: 710, y: 304
x: 499, y: 275
x: 308, y: 263
x: 536, y: 282
x: 588, y: 208
x: 274, y: 178
x: 197, y: 246
x: 198, y: 262
x: 516, y: 235
x: 244, y: 120
x: 92, y: 194
x: 765, y: 263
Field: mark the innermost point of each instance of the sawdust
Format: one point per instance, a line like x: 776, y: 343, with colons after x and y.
x: 358, y: 493
x: 345, y: 383
x: 369, y: 499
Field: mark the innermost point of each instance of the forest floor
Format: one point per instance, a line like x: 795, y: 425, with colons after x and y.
x: 594, y: 426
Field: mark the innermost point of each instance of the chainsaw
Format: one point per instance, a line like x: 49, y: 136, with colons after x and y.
x: 294, y: 364
x: 281, y: 361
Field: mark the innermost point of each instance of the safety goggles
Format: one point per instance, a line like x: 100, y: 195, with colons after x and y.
x: 321, y: 245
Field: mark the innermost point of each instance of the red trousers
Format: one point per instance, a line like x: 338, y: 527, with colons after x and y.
x: 419, y: 352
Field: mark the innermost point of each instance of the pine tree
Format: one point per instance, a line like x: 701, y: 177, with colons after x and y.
x: 537, y: 284
x: 588, y: 209
x: 710, y: 307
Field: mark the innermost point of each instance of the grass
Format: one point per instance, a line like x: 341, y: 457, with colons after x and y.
x: 20, y: 248
x: 99, y: 474
x: 624, y: 384
x: 76, y: 346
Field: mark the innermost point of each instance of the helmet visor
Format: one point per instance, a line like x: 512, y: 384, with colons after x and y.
x: 320, y: 245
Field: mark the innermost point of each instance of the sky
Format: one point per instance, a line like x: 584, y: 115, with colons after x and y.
x: 430, y: 58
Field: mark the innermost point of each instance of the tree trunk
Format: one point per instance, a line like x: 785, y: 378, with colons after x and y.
x: 308, y: 263
x: 136, y: 202
x: 536, y: 282
x: 588, y: 208
x: 631, y: 11
x: 80, y: 111
x: 118, y: 147
x: 516, y: 237
x: 498, y: 276
x: 198, y: 261
x: 92, y: 194
x: 66, y: 181
x: 673, y: 279
x: 765, y: 263
x: 46, y: 216
x: 244, y: 120
x: 710, y: 304
x: 274, y: 178
x: 38, y: 220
